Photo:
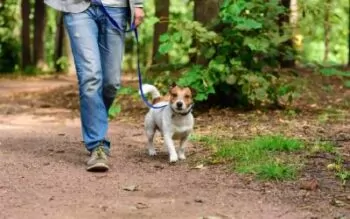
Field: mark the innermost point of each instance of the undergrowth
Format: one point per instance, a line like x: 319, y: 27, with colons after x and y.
x: 265, y: 157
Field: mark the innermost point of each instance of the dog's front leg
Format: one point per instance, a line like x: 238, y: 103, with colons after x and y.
x: 182, y: 147
x: 169, y: 143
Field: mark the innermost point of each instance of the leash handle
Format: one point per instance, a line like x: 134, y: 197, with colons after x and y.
x: 134, y: 29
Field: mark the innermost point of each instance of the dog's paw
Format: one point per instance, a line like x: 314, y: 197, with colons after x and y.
x: 182, y: 156
x: 173, y: 158
x: 152, y: 152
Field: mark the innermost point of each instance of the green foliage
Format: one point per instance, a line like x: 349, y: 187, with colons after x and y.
x: 311, y: 28
x: 179, y: 11
x: 347, y: 83
x: 266, y: 157
x: 344, y: 176
x: 114, y: 110
x: 342, y: 172
x: 9, y: 32
x: 52, y: 19
x: 236, y: 57
x: 338, y: 73
x: 334, y: 72
x: 278, y: 143
x: 323, y: 146
x: 63, y: 62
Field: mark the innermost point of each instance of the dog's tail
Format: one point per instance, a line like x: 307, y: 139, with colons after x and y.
x: 148, y: 88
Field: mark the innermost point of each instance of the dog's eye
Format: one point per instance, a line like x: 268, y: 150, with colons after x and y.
x: 187, y: 96
x: 174, y: 95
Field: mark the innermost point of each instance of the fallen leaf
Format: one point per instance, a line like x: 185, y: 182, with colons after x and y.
x: 198, y: 200
x: 157, y: 166
x: 342, y: 216
x: 337, y: 203
x: 310, y: 185
x: 131, y: 188
x: 200, y: 166
x: 141, y: 205
x: 104, y: 207
x: 333, y: 166
x: 211, y: 217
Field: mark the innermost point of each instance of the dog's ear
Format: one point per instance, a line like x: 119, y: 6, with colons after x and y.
x: 193, y: 92
x: 173, y: 85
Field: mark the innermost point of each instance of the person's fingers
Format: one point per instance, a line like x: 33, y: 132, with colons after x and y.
x: 138, y: 21
x: 139, y: 15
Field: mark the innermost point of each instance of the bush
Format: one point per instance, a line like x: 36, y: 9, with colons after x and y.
x: 9, y: 42
x: 246, y: 44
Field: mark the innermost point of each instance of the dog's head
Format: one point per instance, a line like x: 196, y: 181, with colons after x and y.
x: 181, y: 98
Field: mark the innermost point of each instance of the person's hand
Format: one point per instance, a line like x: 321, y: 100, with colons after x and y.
x: 139, y: 15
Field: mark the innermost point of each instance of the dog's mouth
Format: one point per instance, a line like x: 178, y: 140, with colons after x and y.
x: 178, y: 109
x: 181, y: 108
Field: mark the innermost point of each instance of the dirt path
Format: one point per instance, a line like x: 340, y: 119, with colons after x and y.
x: 43, y: 175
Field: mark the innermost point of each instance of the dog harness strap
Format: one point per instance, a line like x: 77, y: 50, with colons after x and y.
x: 134, y: 29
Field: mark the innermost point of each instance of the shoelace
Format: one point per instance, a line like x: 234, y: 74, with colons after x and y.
x: 100, y: 152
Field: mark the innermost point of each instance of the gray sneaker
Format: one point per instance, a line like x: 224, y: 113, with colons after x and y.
x: 98, y: 160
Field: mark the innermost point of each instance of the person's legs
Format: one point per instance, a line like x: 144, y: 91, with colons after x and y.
x: 98, y: 50
x: 111, y: 45
x: 83, y: 31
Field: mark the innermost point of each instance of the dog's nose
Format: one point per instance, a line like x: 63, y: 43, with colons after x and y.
x: 179, y: 104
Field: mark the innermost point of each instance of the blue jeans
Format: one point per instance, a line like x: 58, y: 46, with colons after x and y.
x: 98, y: 53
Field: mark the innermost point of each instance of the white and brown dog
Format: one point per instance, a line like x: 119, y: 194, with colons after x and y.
x: 174, y: 121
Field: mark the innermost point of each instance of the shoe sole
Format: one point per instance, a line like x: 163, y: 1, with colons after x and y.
x: 98, y: 167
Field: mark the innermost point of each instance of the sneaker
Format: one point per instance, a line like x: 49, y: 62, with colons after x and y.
x: 98, y: 160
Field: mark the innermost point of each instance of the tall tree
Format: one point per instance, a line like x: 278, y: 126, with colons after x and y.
x: 39, y: 31
x: 205, y: 12
x: 162, y: 13
x: 60, y: 35
x: 25, y: 34
x: 327, y: 29
x: 285, y: 59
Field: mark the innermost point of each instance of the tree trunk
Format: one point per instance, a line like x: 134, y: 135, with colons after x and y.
x: 204, y: 12
x: 39, y: 32
x: 327, y: 30
x: 293, y: 19
x: 162, y: 12
x: 25, y: 34
x: 285, y: 18
x: 59, y: 42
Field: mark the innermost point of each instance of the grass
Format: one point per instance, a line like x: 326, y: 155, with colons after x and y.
x: 323, y: 146
x: 266, y: 157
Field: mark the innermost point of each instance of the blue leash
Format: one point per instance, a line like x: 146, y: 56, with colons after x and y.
x: 134, y: 29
